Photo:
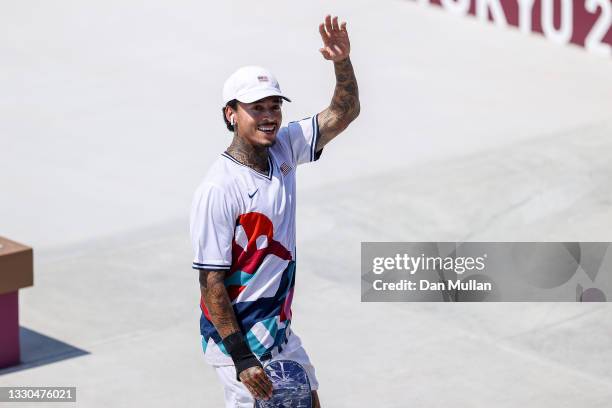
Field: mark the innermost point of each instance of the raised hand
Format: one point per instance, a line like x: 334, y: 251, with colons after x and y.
x: 336, y: 44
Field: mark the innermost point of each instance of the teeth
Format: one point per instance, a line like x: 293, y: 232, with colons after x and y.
x: 266, y: 128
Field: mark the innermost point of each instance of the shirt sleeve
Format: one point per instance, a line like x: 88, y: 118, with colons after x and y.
x: 303, y: 137
x: 212, y: 229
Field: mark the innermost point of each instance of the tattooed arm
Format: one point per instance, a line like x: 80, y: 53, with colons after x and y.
x: 222, y: 314
x: 217, y: 302
x: 344, y: 107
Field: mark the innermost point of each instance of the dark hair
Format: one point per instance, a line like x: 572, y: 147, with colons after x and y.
x: 234, y: 105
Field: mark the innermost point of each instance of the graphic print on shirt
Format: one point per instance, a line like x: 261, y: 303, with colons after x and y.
x: 261, y: 296
x: 242, y: 223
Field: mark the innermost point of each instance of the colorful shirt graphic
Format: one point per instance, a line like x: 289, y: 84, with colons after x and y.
x: 243, y: 222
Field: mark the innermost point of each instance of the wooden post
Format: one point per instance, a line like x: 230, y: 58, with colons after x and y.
x: 16, y: 272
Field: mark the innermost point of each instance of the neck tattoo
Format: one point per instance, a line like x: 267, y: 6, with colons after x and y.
x: 249, y: 155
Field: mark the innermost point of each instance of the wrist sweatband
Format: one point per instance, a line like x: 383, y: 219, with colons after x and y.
x: 240, y: 352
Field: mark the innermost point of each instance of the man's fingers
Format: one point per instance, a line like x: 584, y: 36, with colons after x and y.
x: 263, y: 378
x: 265, y: 384
x: 334, y: 35
x: 261, y: 391
x: 257, y: 382
x: 323, y: 33
x: 335, y: 25
x: 256, y: 389
x: 260, y: 383
x: 328, y: 24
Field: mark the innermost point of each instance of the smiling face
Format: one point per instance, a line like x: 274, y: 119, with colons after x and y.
x: 258, y: 122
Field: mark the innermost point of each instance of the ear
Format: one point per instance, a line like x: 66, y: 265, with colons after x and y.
x: 230, y: 114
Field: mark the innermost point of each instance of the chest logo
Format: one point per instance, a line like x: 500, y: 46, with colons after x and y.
x: 253, y: 195
x: 285, y: 168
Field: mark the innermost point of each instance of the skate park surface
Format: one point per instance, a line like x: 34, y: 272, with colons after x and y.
x: 110, y: 118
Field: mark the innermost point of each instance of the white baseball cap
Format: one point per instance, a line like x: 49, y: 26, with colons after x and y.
x: 250, y: 84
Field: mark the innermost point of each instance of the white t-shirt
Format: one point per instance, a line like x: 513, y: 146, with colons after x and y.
x: 243, y: 221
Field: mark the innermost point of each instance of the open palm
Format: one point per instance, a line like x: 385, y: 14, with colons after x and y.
x: 336, y: 44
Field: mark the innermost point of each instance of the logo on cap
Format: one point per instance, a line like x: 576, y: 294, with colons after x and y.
x: 263, y: 78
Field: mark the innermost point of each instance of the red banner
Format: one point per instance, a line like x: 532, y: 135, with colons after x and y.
x: 587, y: 23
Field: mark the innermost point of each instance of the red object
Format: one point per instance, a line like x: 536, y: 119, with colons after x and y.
x: 585, y: 22
x: 9, y: 329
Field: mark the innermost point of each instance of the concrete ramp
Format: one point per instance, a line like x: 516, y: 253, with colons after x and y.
x: 109, y: 117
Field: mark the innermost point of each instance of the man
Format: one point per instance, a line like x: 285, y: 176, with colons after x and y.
x: 243, y: 223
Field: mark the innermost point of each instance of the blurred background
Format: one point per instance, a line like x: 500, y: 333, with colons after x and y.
x: 470, y: 130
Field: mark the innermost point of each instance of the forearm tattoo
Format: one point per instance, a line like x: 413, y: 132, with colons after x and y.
x: 344, y: 107
x: 218, y: 303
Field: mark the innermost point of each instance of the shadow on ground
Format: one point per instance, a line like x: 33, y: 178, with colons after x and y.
x: 38, y: 349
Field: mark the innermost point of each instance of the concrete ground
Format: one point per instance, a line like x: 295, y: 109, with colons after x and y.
x: 109, y: 117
